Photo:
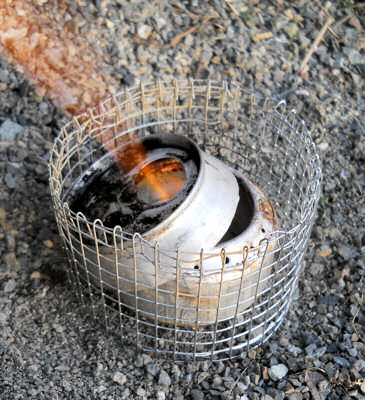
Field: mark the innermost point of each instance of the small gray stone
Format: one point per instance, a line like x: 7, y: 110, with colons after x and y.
x: 205, y: 366
x: 4, y: 76
x: 99, y: 368
x: 276, y: 394
x: 33, y: 392
x: 153, y: 369
x: 146, y: 359
x: 283, y: 341
x: 141, y: 392
x: 143, y: 31
x: 139, y: 362
x: 205, y: 56
x: 354, y: 55
x: 291, y: 29
x: 189, y: 40
x: 241, y: 388
x: 3, y: 318
x: 278, y: 372
x: 347, y: 253
x: 10, y: 285
x: 322, y: 385
x: 340, y: 62
x: 217, y: 381
x: 129, y: 80
x: 9, y: 130
x: 164, y: 379
x: 281, y: 21
x: 43, y: 108
x: 202, y: 377
x: 100, y: 389
x: 160, y: 395
x: 10, y: 242
x: 247, y: 380
x: 160, y: 21
x: 62, y: 368
x: 323, y: 146
x: 220, y: 367
x: 226, y: 395
x: 252, y: 354
x: 10, y: 180
x: 57, y: 327
x: 352, y: 352
x: 341, y: 361
x: 304, y: 41
x: 197, y: 394
x: 294, y: 396
x: 119, y: 378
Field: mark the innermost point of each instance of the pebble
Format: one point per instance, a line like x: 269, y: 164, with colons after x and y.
x: 164, y: 379
x: 226, y: 395
x: 341, y: 361
x: 291, y: 29
x: 43, y: 108
x: 354, y: 55
x: 197, y: 394
x: 323, y: 146
x: 294, y: 396
x: 141, y: 392
x: 160, y: 22
x: 10, y: 180
x: 10, y: 285
x: 217, y: 381
x: 143, y: 31
x: 4, y: 76
x: 283, y: 341
x: 48, y: 243
x: 100, y: 389
x: 277, y: 372
x: 153, y: 369
x: 241, y: 388
x: 202, y: 376
x: 129, y: 80
x: 119, y: 378
x: 252, y: 354
x: 160, y: 395
x: 57, y: 327
x: 347, y: 253
x: 9, y: 130
x: 10, y: 242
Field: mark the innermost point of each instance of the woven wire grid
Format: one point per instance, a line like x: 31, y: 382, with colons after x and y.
x: 188, y: 316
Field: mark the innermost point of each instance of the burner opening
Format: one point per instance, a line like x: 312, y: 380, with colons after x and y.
x: 160, y: 181
x: 243, y: 216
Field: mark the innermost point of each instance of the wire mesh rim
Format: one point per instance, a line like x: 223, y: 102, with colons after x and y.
x: 300, y: 229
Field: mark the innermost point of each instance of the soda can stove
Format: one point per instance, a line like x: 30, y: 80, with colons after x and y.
x: 232, y: 290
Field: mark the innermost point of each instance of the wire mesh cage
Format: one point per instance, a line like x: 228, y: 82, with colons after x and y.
x: 168, y: 308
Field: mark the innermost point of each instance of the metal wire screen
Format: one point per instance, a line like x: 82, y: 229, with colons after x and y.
x: 176, y: 314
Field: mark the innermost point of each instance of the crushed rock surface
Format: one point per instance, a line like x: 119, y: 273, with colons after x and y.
x: 50, y: 348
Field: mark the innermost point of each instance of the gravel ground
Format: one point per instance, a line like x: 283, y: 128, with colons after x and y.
x: 49, y: 348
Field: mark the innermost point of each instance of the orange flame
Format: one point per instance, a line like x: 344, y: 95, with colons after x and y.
x: 132, y: 155
x: 47, y: 49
